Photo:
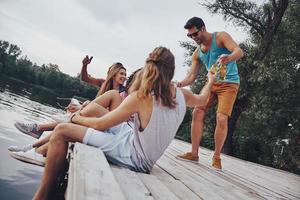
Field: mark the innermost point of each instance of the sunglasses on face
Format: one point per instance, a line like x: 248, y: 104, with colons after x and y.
x: 190, y: 35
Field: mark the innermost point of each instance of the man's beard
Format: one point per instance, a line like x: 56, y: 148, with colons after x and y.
x: 199, y: 42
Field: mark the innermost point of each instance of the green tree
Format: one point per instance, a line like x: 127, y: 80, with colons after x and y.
x: 48, y: 76
x: 8, y: 56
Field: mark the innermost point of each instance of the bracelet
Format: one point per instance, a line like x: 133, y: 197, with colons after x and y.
x: 72, y: 117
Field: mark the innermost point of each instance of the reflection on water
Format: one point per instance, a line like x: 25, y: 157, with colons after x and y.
x: 19, y: 101
x: 34, y: 93
x: 21, y: 186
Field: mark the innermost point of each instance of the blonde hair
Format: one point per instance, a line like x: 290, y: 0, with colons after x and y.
x: 111, y: 73
x: 157, y: 75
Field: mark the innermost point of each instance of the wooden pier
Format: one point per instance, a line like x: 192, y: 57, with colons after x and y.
x: 91, y: 177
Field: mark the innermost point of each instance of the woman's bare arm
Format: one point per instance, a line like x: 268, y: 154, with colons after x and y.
x: 129, y: 106
x: 193, y: 100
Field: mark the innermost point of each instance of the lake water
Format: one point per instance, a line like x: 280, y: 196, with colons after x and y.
x: 19, y: 101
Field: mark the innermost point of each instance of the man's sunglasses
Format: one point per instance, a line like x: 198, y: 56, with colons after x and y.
x: 190, y: 35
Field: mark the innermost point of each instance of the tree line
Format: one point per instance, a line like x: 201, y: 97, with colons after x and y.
x: 265, y: 123
x: 14, y: 65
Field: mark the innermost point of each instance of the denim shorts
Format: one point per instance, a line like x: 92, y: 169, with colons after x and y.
x: 115, y: 143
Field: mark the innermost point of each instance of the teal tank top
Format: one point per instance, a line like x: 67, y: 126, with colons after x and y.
x: 211, y: 56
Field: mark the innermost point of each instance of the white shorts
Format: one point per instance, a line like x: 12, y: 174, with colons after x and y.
x: 115, y: 143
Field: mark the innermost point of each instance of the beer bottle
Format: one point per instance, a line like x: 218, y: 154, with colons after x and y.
x: 222, y: 72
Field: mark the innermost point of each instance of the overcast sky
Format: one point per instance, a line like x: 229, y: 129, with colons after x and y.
x: 64, y: 31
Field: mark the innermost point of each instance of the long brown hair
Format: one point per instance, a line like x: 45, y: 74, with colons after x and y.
x: 157, y: 75
x: 131, y: 80
x: 111, y: 73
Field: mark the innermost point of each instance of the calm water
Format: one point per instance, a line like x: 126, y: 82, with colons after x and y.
x: 19, y: 101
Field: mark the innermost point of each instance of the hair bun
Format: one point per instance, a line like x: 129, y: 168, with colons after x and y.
x: 153, y: 57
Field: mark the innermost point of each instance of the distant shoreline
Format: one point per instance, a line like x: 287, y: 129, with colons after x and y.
x: 56, y: 93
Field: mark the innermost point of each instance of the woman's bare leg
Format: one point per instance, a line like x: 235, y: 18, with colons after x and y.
x: 47, y: 127
x: 98, y: 107
x: 94, y: 109
x: 56, y: 155
x: 41, y: 142
x: 43, y: 149
x: 63, y: 133
x: 110, y: 99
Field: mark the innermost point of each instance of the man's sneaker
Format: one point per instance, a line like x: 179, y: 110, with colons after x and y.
x: 22, y: 148
x: 61, y: 118
x: 29, y: 157
x: 216, y: 163
x: 188, y: 157
x: 29, y: 129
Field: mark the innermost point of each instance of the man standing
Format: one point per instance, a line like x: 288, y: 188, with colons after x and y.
x: 213, y: 48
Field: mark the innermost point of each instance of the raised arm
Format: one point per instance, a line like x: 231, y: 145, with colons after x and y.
x: 121, y: 114
x: 193, y: 100
x: 194, y: 70
x: 84, y: 76
x: 236, y: 52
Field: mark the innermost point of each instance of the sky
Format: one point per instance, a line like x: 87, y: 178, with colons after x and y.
x: 62, y: 32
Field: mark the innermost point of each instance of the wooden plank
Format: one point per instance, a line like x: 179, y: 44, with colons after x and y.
x: 227, y: 185
x: 174, y: 185
x: 69, y: 191
x: 231, y: 163
x: 268, y: 182
x: 206, y: 154
x: 273, y: 176
x: 131, y: 185
x: 175, y: 179
x: 92, y: 177
x: 158, y: 190
x: 190, y: 179
x: 252, y: 187
x: 204, y: 181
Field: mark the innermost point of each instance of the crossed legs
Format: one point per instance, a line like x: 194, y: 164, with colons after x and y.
x: 98, y: 107
x: 55, y: 145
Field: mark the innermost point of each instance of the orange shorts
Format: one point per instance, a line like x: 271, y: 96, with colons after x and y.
x: 225, y: 94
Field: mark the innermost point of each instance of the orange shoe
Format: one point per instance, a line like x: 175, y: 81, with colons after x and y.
x: 216, y: 163
x: 188, y: 157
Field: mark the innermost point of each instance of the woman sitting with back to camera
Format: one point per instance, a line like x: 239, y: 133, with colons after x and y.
x: 158, y: 108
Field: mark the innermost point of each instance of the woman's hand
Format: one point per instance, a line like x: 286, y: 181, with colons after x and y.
x: 73, y: 108
x: 87, y: 60
x: 211, y: 76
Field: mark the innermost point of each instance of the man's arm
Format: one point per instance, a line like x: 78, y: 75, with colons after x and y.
x: 226, y: 41
x: 194, y: 70
x: 84, y: 76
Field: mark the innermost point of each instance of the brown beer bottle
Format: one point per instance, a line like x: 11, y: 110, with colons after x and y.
x: 222, y: 72
x: 214, y: 69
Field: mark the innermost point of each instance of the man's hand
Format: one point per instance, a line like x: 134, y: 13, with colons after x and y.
x: 87, y: 60
x: 224, y: 59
